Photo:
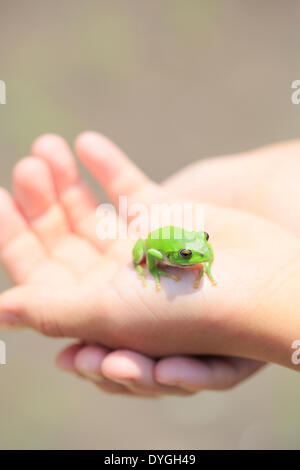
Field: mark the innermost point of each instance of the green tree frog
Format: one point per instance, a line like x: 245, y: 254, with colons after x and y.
x: 173, y: 246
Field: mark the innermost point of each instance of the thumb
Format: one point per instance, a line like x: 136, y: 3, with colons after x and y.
x: 72, y: 312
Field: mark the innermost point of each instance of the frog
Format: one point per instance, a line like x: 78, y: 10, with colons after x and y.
x: 176, y: 247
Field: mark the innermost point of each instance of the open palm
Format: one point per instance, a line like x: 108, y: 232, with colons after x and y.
x: 73, y: 284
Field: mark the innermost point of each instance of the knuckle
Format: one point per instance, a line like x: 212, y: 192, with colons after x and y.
x: 49, y: 326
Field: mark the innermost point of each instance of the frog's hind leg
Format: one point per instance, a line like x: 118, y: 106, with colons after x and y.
x: 153, y: 256
x: 138, y: 254
x: 141, y: 273
x: 206, y: 268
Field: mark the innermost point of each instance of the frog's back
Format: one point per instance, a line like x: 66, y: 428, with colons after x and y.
x: 169, y: 234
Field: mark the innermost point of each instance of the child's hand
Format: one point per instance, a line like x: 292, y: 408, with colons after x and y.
x: 120, y: 312
x: 36, y: 189
x: 272, y: 172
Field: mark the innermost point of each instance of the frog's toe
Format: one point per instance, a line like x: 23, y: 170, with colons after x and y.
x: 142, y: 278
x: 212, y: 281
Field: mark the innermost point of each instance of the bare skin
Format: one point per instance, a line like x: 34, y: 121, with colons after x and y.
x: 263, y: 181
x: 83, y: 297
x: 251, y: 168
x: 261, y: 168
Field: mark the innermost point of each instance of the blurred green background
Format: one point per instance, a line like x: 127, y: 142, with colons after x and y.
x: 171, y: 81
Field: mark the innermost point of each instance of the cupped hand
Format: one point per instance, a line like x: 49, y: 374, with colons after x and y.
x: 263, y: 181
x: 48, y: 239
x: 64, y: 284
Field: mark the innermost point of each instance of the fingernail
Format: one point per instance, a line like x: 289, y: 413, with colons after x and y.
x: 88, y: 371
x: 178, y: 384
x: 9, y: 321
x: 91, y: 375
x: 88, y: 364
x: 123, y: 380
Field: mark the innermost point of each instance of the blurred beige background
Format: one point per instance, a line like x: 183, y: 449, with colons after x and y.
x: 171, y: 81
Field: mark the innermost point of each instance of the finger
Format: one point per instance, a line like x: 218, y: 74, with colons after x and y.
x: 65, y: 359
x: 86, y: 361
x: 210, y: 373
x: 93, y: 313
x: 189, y: 374
x: 20, y: 250
x: 136, y: 372
x: 36, y: 196
x: 118, y: 175
x: 79, y: 203
x: 74, y: 310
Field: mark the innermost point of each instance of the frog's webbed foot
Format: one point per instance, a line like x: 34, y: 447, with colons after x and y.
x: 213, y: 282
x: 159, y: 272
x: 209, y: 275
x: 143, y: 279
x: 141, y: 274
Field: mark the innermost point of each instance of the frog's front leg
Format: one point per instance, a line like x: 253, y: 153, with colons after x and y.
x: 207, y: 268
x: 199, y: 276
x: 153, y: 256
x: 138, y: 254
x: 201, y: 270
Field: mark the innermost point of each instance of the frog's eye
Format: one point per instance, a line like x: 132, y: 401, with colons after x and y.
x: 186, y: 254
x: 206, y: 236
